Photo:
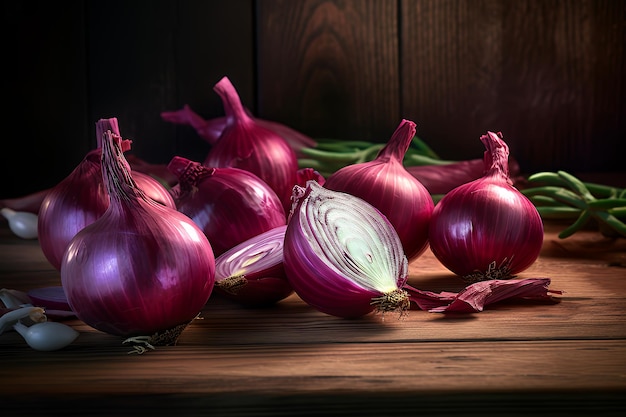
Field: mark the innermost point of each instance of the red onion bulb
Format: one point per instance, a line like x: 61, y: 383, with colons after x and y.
x: 246, y: 144
x: 230, y: 205
x: 141, y: 269
x: 487, y: 229
x: 342, y: 256
x: 81, y: 198
x: 386, y: 184
x: 252, y: 272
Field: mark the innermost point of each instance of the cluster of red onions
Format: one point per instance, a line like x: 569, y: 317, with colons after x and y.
x: 230, y: 205
x: 342, y: 256
x: 252, y: 272
x: 142, y: 269
x: 246, y: 144
x: 487, y: 229
x: 385, y: 183
x: 81, y: 198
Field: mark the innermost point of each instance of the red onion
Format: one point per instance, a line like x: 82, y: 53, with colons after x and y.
x: 142, y: 269
x: 385, y: 183
x: 81, y: 198
x: 252, y: 272
x: 247, y: 145
x: 487, y: 229
x: 305, y: 174
x: 342, y: 256
x: 230, y: 205
x: 210, y: 130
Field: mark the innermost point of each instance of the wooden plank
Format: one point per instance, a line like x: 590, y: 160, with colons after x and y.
x: 330, y: 68
x: 546, y: 74
x: 153, y: 56
x: 43, y: 93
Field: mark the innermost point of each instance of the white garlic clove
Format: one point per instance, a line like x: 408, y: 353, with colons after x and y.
x: 22, y: 223
x: 47, y: 336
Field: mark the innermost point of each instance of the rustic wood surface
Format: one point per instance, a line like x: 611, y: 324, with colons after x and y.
x: 515, y: 358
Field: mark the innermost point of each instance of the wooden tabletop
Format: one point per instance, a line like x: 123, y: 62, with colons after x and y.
x: 515, y: 358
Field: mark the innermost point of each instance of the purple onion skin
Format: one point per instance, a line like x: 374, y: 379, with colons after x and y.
x: 141, y: 268
x: 264, y: 288
x: 248, y: 145
x: 386, y: 184
x: 486, y: 222
x: 230, y: 205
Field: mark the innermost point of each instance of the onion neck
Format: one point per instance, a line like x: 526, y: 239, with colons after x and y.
x: 116, y: 171
x: 232, y: 103
x: 399, y: 143
x: 496, y: 157
x: 189, y: 173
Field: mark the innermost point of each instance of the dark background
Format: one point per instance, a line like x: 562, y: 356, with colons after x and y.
x: 549, y: 74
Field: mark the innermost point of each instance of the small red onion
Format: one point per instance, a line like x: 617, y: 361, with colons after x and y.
x: 252, y: 272
x: 342, y: 256
x: 230, y: 205
x: 487, y: 229
x: 385, y: 183
x: 141, y: 269
x: 247, y: 145
x: 81, y: 198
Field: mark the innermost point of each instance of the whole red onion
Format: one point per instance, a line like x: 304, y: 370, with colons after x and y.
x: 230, y: 205
x: 246, y: 144
x: 342, y: 256
x: 385, y: 183
x: 141, y: 269
x: 81, y: 198
x: 487, y: 229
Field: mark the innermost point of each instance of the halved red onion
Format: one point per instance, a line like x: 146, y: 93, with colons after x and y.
x: 252, y: 272
x: 141, y: 269
x: 230, y: 205
x: 487, y: 229
x: 386, y: 184
x: 342, y: 256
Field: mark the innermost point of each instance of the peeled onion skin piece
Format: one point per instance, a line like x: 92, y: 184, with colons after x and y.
x: 487, y: 229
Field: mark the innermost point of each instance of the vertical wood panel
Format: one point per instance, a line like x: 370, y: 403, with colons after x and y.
x: 329, y: 68
x: 43, y: 94
x: 151, y: 56
x: 548, y: 74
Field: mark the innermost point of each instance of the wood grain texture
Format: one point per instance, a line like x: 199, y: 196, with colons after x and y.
x: 330, y: 68
x: 515, y: 358
x: 533, y: 70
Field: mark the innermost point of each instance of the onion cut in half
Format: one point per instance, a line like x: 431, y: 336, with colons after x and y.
x: 342, y: 256
x: 252, y: 273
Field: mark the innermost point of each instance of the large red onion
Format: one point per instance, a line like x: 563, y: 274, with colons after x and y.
x: 342, y: 256
x: 141, y: 269
x: 252, y: 272
x: 385, y: 183
x: 247, y: 145
x: 230, y: 205
x: 487, y: 229
x: 81, y: 198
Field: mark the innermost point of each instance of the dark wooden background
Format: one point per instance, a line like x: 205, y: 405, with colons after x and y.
x: 549, y: 74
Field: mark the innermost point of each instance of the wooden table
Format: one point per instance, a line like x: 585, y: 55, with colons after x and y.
x: 515, y: 358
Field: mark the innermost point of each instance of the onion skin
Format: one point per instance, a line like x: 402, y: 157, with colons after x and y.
x: 140, y: 269
x: 386, y: 184
x: 230, y: 205
x: 323, y: 267
x: 487, y: 229
x: 252, y: 273
x: 247, y: 145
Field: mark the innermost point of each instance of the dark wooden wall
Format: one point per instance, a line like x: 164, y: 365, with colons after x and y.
x: 549, y: 74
